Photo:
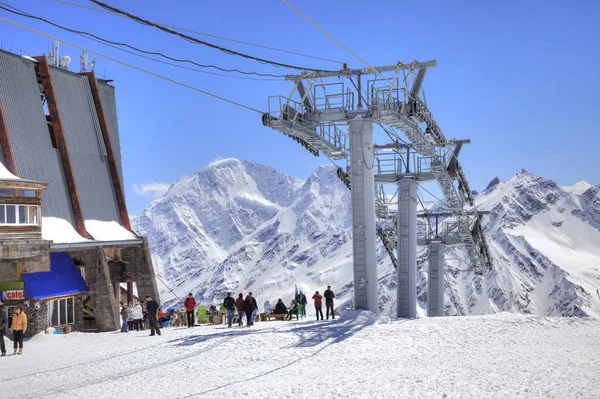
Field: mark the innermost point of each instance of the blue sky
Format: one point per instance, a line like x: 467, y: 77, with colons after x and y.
x: 519, y: 78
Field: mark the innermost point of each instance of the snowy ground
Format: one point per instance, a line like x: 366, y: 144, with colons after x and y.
x: 500, y: 356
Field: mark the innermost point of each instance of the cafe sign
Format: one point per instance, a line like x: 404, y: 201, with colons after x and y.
x: 13, y: 295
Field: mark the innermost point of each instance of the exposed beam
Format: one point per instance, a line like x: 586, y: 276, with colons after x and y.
x: 61, y: 143
x: 110, y: 155
x: 416, y: 87
x: 365, y: 71
x: 7, y: 151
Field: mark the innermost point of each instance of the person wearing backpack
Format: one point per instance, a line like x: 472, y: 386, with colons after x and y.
x: 318, y: 304
x: 229, y: 304
x: 239, y: 304
x: 329, y: 302
x: 189, y: 304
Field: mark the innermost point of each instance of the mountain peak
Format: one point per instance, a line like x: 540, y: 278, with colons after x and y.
x: 578, y: 188
x: 494, y: 182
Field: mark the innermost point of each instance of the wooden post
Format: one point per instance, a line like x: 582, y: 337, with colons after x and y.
x: 112, y: 162
x: 7, y: 151
x: 130, y: 292
x: 61, y: 144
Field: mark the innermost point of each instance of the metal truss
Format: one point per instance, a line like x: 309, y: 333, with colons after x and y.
x: 318, y: 119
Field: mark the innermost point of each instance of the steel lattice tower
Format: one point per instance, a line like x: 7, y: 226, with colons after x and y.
x: 334, y: 114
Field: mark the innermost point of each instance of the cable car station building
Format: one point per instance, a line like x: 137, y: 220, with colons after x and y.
x: 66, y: 243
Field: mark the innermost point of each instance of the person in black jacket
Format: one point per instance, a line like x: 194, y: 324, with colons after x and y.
x: 3, y: 328
x: 152, y: 310
x: 229, y: 304
x: 301, y: 299
x: 280, y: 307
x: 329, y: 302
x: 250, y: 307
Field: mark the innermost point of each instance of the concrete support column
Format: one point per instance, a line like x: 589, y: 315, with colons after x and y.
x: 407, y: 248
x: 435, y: 293
x: 363, y: 215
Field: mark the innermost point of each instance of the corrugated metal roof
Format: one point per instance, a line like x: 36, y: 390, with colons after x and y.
x: 35, y: 157
x: 86, y: 146
x: 109, y: 105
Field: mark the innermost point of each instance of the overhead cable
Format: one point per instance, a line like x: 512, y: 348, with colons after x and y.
x: 337, y: 42
x: 182, y: 66
x: 208, y: 34
x: 198, y: 41
x: 157, y: 53
x: 130, y: 65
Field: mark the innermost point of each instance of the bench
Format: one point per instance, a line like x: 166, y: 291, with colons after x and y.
x: 280, y: 316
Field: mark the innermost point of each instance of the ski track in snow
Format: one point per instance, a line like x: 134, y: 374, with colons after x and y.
x: 496, y: 356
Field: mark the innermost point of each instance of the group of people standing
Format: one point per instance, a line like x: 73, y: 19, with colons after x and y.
x: 135, y: 316
x: 17, y: 328
x: 300, y: 302
x: 132, y: 317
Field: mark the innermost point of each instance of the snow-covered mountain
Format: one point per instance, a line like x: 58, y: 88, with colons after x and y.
x: 239, y: 226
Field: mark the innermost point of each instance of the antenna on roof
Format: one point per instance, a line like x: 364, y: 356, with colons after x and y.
x: 83, y: 61
x: 53, y: 57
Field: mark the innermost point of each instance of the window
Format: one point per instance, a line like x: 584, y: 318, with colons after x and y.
x: 27, y: 193
x: 23, y: 215
x: 7, y: 192
x: 19, y: 214
x: 11, y: 214
x: 61, y: 312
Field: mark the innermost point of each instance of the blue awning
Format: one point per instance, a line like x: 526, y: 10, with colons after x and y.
x: 63, y: 279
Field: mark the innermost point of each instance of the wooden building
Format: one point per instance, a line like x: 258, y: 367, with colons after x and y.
x: 66, y: 242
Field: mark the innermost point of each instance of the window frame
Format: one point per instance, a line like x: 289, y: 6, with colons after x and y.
x: 56, y: 308
x: 17, y: 210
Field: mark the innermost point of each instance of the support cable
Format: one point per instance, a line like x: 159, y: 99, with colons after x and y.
x: 208, y: 34
x: 157, y: 53
x: 198, y: 41
x: 131, y: 66
x: 337, y: 42
x: 434, y: 196
x: 169, y: 288
x: 182, y: 66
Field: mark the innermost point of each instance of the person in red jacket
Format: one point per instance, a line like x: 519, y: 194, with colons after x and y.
x: 318, y: 304
x: 190, y: 304
x: 239, y: 304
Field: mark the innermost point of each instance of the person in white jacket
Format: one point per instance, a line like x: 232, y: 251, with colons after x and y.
x: 130, y: 316
x: 138, y: 315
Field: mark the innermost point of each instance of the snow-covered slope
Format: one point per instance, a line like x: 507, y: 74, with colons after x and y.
x: 498, y: 356
x: 239, y: 226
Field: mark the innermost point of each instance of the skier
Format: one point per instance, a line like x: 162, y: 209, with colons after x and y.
x: 239, y: 304
x: 152, y: 309
x: 123, y: 317
x: 318, y: 307
x: 329, y: 295
x: 3, y: 328
x: 250, y: 307
x: 229, y: 304
x: 301, y: 299
x: 189, y: 304
x: 18, y: 328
